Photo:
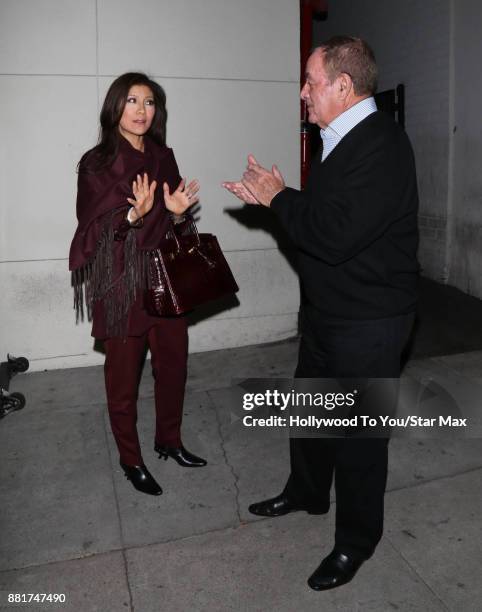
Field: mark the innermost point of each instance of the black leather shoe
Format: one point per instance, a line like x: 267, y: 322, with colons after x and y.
x: 141, y: 479
x: 279, y: 506
x: 181, y: 455
x: 333, y: 571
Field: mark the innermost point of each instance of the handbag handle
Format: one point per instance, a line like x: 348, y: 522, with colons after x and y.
x: 194, y: 231
x: 190, y: 223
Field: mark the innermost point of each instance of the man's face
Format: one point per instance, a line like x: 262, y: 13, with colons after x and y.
x: 321, y: 96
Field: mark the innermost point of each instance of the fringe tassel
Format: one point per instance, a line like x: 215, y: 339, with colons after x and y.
x: 94, y: 281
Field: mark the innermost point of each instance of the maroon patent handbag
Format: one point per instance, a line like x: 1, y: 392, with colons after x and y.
x: 187, y: 270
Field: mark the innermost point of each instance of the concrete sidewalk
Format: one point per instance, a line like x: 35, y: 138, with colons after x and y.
x: 72, y: 524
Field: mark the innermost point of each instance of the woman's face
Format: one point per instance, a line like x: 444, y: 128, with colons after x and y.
x: 138, y: 112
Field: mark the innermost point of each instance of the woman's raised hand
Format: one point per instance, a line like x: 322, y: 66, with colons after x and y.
x: 181, y: 199
x: 143, y: 194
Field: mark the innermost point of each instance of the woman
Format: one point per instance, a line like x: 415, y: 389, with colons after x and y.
x: 121, y: 216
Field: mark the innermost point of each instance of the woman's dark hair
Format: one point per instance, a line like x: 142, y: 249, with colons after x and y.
x: 107, y: 147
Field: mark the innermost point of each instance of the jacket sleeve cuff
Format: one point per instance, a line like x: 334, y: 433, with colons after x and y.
x: 283, y: 200
x: 122, y: 227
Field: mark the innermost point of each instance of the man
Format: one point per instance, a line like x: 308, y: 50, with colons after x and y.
x: 355, y: 229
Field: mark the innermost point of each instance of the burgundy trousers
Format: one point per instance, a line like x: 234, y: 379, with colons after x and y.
x: 167, y: 341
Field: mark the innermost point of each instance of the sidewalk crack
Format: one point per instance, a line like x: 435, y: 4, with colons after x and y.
x: 226, y: 460
x: 421, y: 483
x: 119, y: 519
x: 419, y: 576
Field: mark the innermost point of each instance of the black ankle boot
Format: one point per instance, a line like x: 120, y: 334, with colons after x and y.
x: 141, y: 479
x: 181, y: 455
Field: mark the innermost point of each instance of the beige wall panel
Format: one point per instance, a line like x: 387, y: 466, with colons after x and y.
x: 253, y: 39
x: 46, y: 123
x: 47, y: 37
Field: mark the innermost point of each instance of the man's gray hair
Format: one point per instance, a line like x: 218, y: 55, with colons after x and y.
x: 354, y: 57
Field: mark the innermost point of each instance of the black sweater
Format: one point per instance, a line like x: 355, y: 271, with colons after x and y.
x: 355, y: 224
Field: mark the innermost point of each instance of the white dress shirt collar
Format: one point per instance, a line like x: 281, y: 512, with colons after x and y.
x: 341, y: 125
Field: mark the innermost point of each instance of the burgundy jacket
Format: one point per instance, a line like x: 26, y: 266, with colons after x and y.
x: 101, y: 212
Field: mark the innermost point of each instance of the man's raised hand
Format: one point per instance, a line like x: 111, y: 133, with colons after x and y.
x: 258, y: 185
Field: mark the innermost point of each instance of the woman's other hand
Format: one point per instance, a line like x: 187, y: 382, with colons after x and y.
x: 144, y: 196
x: 181, y: 199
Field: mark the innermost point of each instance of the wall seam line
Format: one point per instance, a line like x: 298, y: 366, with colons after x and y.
x: 154, y: 76
x: 10, y: 261
x: 450, y: 165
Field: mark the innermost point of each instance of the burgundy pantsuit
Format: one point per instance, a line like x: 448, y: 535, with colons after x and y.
x: 167, y: 341
x: 107, y: 257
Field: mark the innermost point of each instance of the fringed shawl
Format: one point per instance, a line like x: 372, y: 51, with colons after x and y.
x: 104, y: 267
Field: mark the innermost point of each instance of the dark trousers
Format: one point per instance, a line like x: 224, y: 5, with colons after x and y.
x: 346, y: 349
x: 124, y: 357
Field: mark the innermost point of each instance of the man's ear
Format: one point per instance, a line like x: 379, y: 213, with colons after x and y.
x: 344, y: 85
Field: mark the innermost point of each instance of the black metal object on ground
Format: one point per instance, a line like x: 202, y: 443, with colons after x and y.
x: 15, y: 400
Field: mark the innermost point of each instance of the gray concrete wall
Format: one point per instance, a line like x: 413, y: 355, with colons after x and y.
x: 412, y: 43
x: 465, y: 271
x: 231, y: 74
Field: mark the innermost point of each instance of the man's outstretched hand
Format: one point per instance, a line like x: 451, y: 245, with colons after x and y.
x: 258, y: 185
x: 240, y: 191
